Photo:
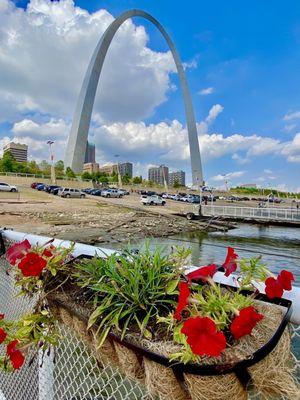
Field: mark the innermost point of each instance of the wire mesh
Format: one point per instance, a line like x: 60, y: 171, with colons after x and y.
x: 70, y: 371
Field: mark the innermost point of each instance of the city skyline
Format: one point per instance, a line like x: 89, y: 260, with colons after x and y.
x: 247, y: 119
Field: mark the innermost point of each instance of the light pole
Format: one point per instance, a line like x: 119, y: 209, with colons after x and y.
x: 164, y: 177
x: 118, y: 171
x: 53, y: 177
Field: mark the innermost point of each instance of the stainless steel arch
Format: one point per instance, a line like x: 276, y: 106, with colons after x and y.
x: 82, y: 117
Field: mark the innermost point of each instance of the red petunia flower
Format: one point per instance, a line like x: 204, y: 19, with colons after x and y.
x: 244, y: 323
x: 16, y: 357
x: 17, y: 251
x: 184, y: 293
x: 203, y: 337
x: 203, y: 273
x: 32, y: 264
x: 3, y: 335
x: 273, y: 288
x: 230, y: 264
x: 285, y: 278
x: 47, y: 253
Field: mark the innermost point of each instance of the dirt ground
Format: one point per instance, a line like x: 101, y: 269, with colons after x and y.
x: 90, y: 220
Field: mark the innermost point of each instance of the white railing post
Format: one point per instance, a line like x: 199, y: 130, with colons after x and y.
x: 46, y: 377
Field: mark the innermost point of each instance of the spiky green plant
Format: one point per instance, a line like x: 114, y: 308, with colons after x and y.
x: 131, y: 289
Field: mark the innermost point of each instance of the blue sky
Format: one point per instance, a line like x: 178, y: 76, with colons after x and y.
x: 242, y: 56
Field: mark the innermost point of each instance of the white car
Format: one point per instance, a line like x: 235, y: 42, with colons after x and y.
x: 111, y: 193
x: 5, y: 187
x: 153, y: 200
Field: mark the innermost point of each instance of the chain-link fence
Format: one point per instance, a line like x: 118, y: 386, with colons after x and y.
x: 70, y: 371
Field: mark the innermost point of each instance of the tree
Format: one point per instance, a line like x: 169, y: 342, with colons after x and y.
x: 8, y: 162
x: 45, y: 167
x: 70, y: 173
x: 59, y: 167
x: 137, y: 180
x: 176, y: 185
x: 103, y: 179
x: 86, y: 175
x: 126, y: 179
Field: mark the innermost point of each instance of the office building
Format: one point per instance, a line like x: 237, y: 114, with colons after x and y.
x: 109, y: 169
x: 18, y: 150
x: 91, y: 168
x: 126, y: 169
x: 177, y: 177
x: 159, y: 174
x: 90, y: 153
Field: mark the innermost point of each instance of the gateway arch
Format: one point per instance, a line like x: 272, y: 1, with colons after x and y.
x: 77, y: 140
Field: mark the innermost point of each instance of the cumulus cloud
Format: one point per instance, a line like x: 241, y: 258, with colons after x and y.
x: 214, y: 112
x: 291, y: 116
x: 292, y: 149
x: 227, y: 177
x: 45, y: 51
x: 206, y: 91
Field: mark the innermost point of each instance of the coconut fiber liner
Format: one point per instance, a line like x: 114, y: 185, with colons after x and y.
x: 259, y: 363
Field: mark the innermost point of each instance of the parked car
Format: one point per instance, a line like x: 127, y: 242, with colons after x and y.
x: 111, y: 193
x: 5, y: 187
x: 68, y: 192
x: 56, y: 190
x: 124, y: 192
x: 176, y: 197
x: 40, y: 186
x: 153, y: 200
x: 49, y: 188
x: 34, y: 184
x: 95, y: 192
x: 87, y: 190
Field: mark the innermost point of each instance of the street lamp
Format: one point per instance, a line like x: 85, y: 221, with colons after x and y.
x: 119, y: 174
x: 53, y: 178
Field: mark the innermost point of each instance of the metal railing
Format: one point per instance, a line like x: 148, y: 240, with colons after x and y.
x: 271, y: 214
x: 71, y: 371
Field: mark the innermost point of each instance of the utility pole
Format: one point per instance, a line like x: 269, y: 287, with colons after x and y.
x: 53, y: 177
x: 119, y: 174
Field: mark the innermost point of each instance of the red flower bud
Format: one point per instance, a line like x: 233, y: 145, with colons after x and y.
x: 203, y: 337
x: 230, y: 264
x: 244, y: 323
x: 184, y: 293
x: 2, y: 316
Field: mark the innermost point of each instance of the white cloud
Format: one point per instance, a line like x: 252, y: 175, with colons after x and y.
x: 292, y: 149
x: 206, y: 91
x: 214, y: 112
x: 289, y: 128
x: 229, y: 176
x: 45, y: 51
x: 268, y: 171
x: 292, y: 115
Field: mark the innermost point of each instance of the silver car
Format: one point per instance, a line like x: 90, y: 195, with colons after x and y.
x: 68, y: 192
x: 5, y: 187
x: 111, y: 193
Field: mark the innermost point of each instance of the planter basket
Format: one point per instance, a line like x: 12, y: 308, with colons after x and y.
x: 267, y: 371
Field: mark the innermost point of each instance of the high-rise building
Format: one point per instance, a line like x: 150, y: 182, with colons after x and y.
x: 90, y: 153
x: 159, y: 174
x: 177, y: 177
x: 18, y: 150
x: 126, y: 169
